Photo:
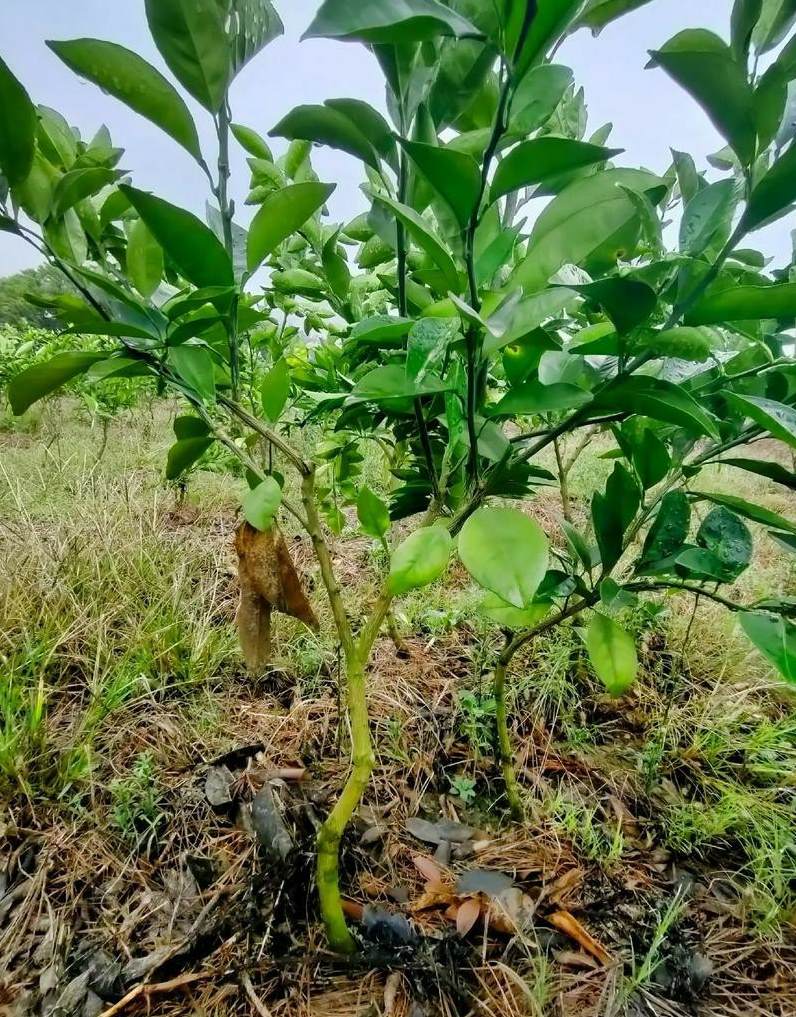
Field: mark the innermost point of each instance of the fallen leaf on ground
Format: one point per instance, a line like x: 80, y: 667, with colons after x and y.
x: 570, y: 926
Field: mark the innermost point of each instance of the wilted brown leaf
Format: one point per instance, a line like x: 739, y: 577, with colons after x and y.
x: 570, y: 926
x: 268, y: 582
x: 467, y: 915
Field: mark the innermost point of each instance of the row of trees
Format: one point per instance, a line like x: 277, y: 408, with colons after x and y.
x: 513, y: 290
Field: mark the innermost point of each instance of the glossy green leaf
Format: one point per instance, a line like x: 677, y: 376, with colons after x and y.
x: 184, y: 453
x: 453, y: 175
x: 193, y: 247
x: 510, y: 617
x: 776, y: 20
x: 599, y: 13
x: 190, y: 426
x: 252, y: 142
x: 192, y: 38
x: 324, y: 125
x: 538, y: 94
x: 627, y: 302
x: 78, y: 184
x: 392, y: 382
x: 774, y: 194
x: 281, y: 214
x: 252, y: 25
x: 40, y: 380
x: 669, y: 532
x: 542, y: 159
x: 776, y: 418
x: 728, y: 538
x: 551, y: 21
x: 613, y: 512
x: 707, y: 218
x: 612, y: 653
x: 370, y: 123
x: 275, y: 390
x: 387, y: 21
x: 194, y: 365
x: 128, y: 77
x: 745, y: 14
x: 427, y: 345
x: 425, y: 238
x: 775, y: 638
x: 685, y: 342
x: 261, y: 504
x: 17, y: 128
x: 373, y: 513
x: 659, y: 399
x: 531, y: 398
x: 744, y: 303
x: 651, y: 459
x: 757, y: 513
x: 381, y: 329
x: 592, y: 218
x: 705, y: 66
x: 506, y: 552
x: 144, y: 259
x: 420, y: 559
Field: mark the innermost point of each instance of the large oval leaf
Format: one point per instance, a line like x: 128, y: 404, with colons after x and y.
x: 659, y: 399
x: 541, y: 159
x: 387, y: 21
x: 420, y: 559
x: 705, y: 66
x: 612, y: 653
x: 261, y: 504
x: 326, y: 126
x: 775, y: 638
x: 41, y: 379
x: 506, y: 552
x: 425, y: 238
x: 744, y: 303
x: 17, y: 128
x: 193, y: 247
x: 144, y: 259
x: 192, y: 39
x: 776, y: 418
x: 280, y: 215
x: 128, y: 77
x: 455, y: 176
x: 774, y: 194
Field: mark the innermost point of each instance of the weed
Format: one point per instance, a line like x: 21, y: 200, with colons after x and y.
x: 135, y: 806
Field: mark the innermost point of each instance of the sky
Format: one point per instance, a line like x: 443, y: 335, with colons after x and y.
x: 649, y: 112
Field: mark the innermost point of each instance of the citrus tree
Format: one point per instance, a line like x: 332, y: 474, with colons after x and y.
x: 516, y: 291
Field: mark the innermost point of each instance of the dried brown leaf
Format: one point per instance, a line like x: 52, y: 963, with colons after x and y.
x: 467, y: 915
x: 567, y: 923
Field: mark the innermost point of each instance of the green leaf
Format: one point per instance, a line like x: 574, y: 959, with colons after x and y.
x: 728, y: 538
x: 775, y: 638
x: 659, y: 399
x: 425, y: 238
x: 428, y: 342
x: 704, y: 65
x: 599, y: 13
x: 193, y: 247
x: 392, y: 382
x: 128, y: 77
x: 373, y: 514
x: 651, y: 459
x: 192, y: 38
x: 685, y: 342
x: 592, y: 218
x: 510, y: 617
x: 381, y: 329
x: 144, y: 259
x: 627, y: 302
x: 612, y: 653
x: 261, y: 504
x: 776, y: 418
x: 669, y: 532
x: 744, y: 303
x: 532, y: 397
x: 39, y: 380
x: 745, y: 14
x: 774, y: 194
x: 275, y: 390
x: 506, y: 552
x: 763, y: 468
x: 252, y: 25
x: 756, y: 513
x: 189, y: 426
x: 551, y: 20
x: 775, y: 22
x: 613, y: 512
x: 280, y: 215
x: 371, y: 123
x: 184, y: 453
x: 77, y: 185
x: 17, y: 128
x: 538, y: 94
x: 324, y: 125
x: 420, y: 559
x: 541, y: 159
x: 194, y: 365
x: 707, y: 218
x: 387, y: 21
x: 252, y: 142
x: 453, y: 175
x: 335, y: 267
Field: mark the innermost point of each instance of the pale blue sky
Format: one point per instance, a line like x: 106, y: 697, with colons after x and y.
x: 649, y: 112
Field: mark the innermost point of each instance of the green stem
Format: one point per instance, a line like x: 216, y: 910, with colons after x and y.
x: 504, y: 751
x: 227, y: 210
